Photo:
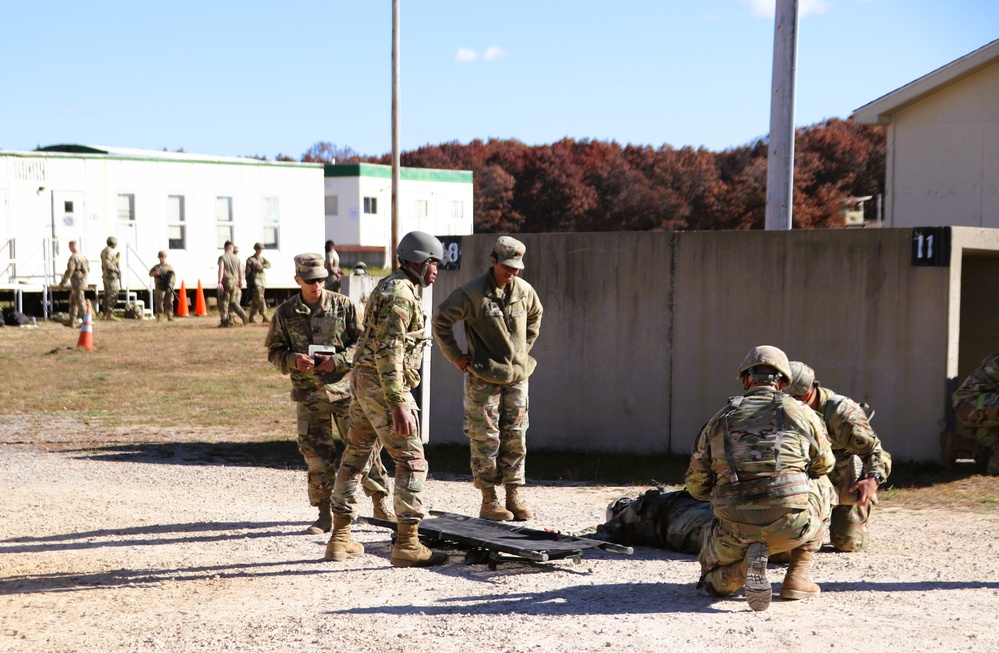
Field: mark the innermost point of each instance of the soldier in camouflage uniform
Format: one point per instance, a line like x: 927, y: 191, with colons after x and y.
x: 77, y: 269
x: 657, y: 518
x: 861, y: 463
x: 502, y: 317
x: 333, y: 267
x: 320, y: 385
x: 386, y: 369
x: 976, y: 405
x: 762, y: 462
x: 230, y: 283
x: 112, y: 278
x: 256, y: 282
x: 163, y: 280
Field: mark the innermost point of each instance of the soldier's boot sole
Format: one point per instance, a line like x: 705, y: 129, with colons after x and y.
x: 758, y: 589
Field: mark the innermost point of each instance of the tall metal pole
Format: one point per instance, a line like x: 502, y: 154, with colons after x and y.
x: 395, y: 132
x: 780, y: 158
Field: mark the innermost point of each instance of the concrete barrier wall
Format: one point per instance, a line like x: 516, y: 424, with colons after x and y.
x: 643, y: 332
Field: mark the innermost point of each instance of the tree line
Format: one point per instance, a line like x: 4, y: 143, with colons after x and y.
x: 592, y: 185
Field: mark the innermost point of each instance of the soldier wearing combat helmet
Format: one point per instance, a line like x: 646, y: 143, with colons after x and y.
x: 386, y: 369
x: 861, y: 462
x: 762, y: 461
x: 111, y: 274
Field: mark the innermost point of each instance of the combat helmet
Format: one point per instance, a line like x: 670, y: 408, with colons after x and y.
x: 765, y: 355
x: 802, y: 379
x: 416, y: 250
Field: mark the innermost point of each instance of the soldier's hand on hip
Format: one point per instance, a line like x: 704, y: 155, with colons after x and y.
x: 462, y: 362
x: 403, y: 422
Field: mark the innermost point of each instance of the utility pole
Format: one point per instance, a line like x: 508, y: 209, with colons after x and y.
x: 780, y: 156
x: 395, y: 132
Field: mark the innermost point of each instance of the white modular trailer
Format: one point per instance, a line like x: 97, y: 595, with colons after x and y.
x: 359, y: 209
x: 185, y: 204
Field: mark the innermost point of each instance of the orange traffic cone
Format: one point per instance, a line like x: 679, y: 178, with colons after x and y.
x: 200, y: 307
x: 86, y: 340
x: 182, y: 310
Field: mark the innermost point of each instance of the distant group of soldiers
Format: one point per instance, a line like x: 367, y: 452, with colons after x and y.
x: 233, y: 276
x: 357, y: 370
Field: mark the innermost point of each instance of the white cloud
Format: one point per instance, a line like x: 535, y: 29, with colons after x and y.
x: 767, y: 8
x: 465, y: 55
x: 493, y: 52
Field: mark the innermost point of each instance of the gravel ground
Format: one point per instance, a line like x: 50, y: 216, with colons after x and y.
x: 106, y: 551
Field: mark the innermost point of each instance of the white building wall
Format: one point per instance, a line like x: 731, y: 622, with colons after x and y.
x: 945, y: 157
x: 94, y: 181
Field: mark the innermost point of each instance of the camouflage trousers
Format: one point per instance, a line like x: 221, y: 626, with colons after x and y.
x: 163, y: 301
x: 849, y: 525
x: 371, y: 424
x: 322, y: 448
x: 228, y: 300
x: 332, y: 282
x: 496, y: 421
x: 78, y: 306
x: 726, y: 542
x: 111, y: 289
x: 257, y: 303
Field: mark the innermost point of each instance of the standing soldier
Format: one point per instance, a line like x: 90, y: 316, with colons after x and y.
x: 163, y: 281
x: 502, y: 316
x: 386, y: 369
x: 861, y: 463
x: 762, y: 461
x: 256, y: 282
x: 320, y: 383
x: 77, y: 269
x: 333, y: 267
x: 112, y: 278
x: 976, y: 406
x: 230, y: 282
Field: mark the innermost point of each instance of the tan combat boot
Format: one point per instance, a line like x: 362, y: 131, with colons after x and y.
x: 340, y: 546
x: 797, y: 584
x: 758, y: 590
x: 325, y: 521
x: 380, y: 507
x: 491, y: 508
x: 408, y: 552
x: 519, y: 511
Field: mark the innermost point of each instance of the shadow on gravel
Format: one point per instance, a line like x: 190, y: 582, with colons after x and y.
x: 152, y: 535
x: 446, y: 461
x: 278, y: 454
x: 624, y: 598
x: 70, y: 582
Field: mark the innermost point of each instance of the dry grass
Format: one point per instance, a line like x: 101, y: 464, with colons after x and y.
x: 165, y: 386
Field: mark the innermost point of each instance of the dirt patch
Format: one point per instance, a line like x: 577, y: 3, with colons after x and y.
x: 159, y: 542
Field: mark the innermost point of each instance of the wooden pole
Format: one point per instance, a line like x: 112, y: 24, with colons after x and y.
x: 395, y: 132
x: 780, y: 156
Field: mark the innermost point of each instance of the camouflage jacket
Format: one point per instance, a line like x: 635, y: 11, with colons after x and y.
x: 230, y: 267
x: 983, y: 382
x: 163, y: 276
x: 394, y: 337
x: 109, y: 263
x: 500, y: 327
x: 295, y: 326
x: 77, y: 269
x: 254, y: 273
x: 746, y: 434
x: 850, y: 432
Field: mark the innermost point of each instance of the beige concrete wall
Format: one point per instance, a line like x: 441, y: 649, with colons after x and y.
x: 643, y: 333
x: 945, y: 157
x: 602, y: 381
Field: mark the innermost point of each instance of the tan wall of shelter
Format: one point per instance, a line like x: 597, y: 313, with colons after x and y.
x: 643, y: 332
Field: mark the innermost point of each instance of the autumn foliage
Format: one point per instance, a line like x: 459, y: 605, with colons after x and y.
x: 603, y: 186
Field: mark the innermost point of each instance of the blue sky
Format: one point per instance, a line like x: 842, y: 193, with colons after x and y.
x: 253, y: 77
